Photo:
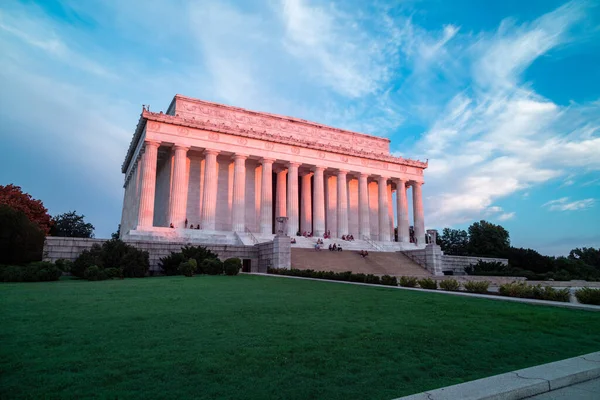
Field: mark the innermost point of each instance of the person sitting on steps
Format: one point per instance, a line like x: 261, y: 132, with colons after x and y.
x: 339, y: 248
x: 334, y: 248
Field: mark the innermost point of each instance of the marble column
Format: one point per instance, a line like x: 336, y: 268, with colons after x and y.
x: 238, y: 212
x: 384, y: 221
x: 292, y: 199
x: 148, y: 189
x: 266, y: 197
x: 402, y: 212
x: 319, y: 202
x: 209, y: 193
x: 364, y: 225
x: 179, y: 188
x: 342, y: 203
x: 418, y: 213
x: 281, y: 198
x: 306, y: 204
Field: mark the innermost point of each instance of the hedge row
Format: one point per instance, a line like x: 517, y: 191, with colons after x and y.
x: 39, y: 271
x: 523, y: 290
x: 588, y: 296
x: 336, y: 276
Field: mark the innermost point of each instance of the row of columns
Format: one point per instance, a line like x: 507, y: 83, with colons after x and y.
x: 313, y: 204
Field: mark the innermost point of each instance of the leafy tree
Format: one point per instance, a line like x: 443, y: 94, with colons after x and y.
x: 21, y: 240
x: 454, y: 242
x: 117, y: 234
x: 588, y: 255
x: 34, y: 210
x: 529, y: 259
x: 71, y: 225
x: 487, y: 239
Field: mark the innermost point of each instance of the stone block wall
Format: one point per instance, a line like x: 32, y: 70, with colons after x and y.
x: 265, y: 256
x: 457, y: 264
x: 70, y: 248
x: 435, y: 261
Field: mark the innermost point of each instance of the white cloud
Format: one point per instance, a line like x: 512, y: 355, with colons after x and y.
x: 563, y: 204
x: 506, y: 216
x: 498, y: 136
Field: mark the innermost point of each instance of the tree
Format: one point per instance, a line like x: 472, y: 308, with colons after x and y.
x: 454, y: 242
x: 588, y: 255
x: 34, y: 210
x: 71, y: 225
x: 117, y: 234
x: 487, y: 239
x: 21, y: 241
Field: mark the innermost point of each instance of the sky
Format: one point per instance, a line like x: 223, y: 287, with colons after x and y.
x: 502, y: 98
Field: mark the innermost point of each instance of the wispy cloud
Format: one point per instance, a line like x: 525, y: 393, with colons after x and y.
x: 563, y: 204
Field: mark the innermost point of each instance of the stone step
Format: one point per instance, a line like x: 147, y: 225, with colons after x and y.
x: 377, y: 263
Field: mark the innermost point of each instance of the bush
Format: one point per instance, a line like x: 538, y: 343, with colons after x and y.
x: 486, y: 268
x: 113, y: 273
x: 170, y: 264
x: 188, y: 267
x: 232, y: 266
x: 86, y: 259
x: 588, y: 296
x: 451, y: 285
x: 408, y: 281
x: 389, y: 280
x: 21, y: 241
x: 64, y: 265
x: 212, y: 266
x: 372, y: 279
x: 95, y: 273
x: 356, y: 278
x: 12, y: 273
x: 477, y: 287
x: 523, y: 290
x: 427, y: 283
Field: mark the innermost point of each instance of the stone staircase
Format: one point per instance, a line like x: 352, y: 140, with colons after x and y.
x: 309, y: 243
x: 377, y: 263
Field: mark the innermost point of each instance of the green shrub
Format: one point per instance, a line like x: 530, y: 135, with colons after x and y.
x: 21, y: 240
x: 355, y: 277
x: 516, y: 289
x: 232, y: 266
x: 135, y: 263
x: 188, y: 267
x: 212, y: 266
x: 389, y: 280
x: 451, y: 285
x: 588, y: 295
x: 64, y: 265
x: 523, y: 290
x: 477, y: 287
x: 427, y: 283
x: 95, y: 273
x: 170, y: 264
x: 372, y: 279
x: 408, y: 281
x: 86, y: 259
x: 486, y: 268
x: 113, y: 273
x: 12, y: 273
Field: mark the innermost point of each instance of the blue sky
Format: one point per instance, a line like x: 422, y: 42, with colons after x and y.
x: 503, y: 98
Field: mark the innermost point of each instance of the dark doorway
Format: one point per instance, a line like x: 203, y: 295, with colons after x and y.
x: 246, y: 265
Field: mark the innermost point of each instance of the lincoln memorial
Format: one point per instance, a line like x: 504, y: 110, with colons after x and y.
x: 203, y: 171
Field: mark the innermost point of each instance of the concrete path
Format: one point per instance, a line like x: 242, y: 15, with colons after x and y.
x: 577, y: 376
x: 589, y: 390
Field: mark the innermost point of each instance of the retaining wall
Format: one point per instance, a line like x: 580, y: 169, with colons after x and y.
x: 69, y: 248
x: 457, y: 264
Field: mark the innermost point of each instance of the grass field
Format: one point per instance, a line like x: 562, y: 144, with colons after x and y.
x: 262, y: 338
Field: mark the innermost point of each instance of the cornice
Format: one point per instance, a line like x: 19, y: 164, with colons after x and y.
x: 276, y: 138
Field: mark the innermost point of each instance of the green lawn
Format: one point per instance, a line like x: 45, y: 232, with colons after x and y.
x: 261, y: 338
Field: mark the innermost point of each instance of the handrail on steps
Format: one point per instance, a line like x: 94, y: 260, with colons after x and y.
x: 372, y: 243
x: 252, y: 237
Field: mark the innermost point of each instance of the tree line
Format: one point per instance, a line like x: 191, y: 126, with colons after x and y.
x: 485, y: 239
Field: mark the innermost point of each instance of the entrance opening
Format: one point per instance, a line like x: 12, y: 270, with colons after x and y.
x: 246, y: 265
